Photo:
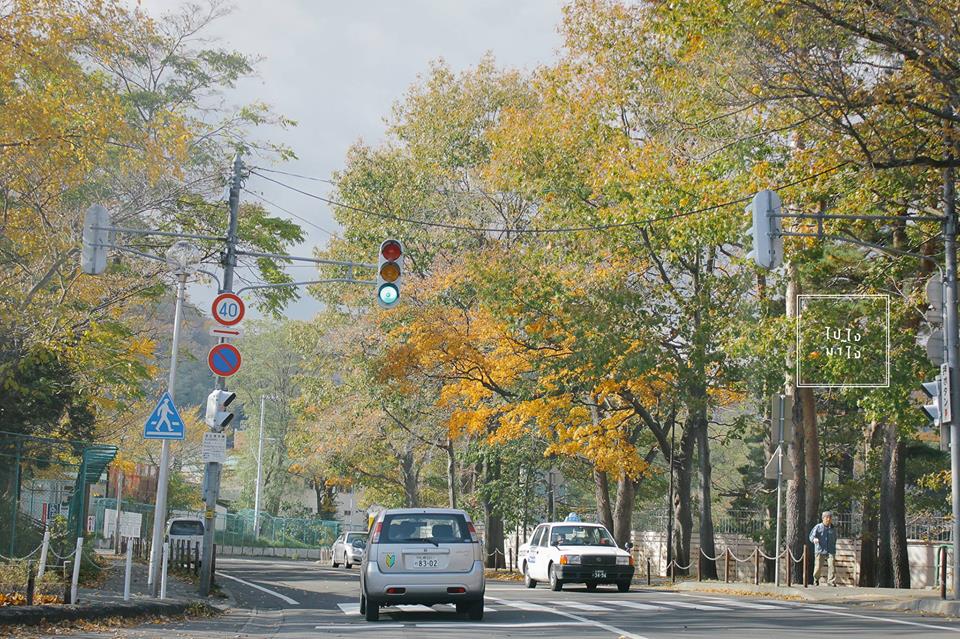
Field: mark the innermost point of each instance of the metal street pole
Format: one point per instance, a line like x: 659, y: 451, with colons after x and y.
x: 673, y: 446
x: 776, y: 546
x: 160, y: 510
x: 211, y: 475
x: 256, y: 498
x: 951, y: 337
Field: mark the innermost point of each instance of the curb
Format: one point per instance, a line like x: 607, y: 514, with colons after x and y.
x: 34, y: 615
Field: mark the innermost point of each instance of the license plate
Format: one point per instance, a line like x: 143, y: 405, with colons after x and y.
x: 599, y: 574
x: 424, y: 562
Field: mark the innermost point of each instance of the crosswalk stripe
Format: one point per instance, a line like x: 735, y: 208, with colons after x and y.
x: 526, y: 605
x: 413, y: 608
x: 584, y: 606
x: 811, y: 604
x: 353, y: 609
x: 636, y: 605
x: 743, y: 604
x: 690, y: 605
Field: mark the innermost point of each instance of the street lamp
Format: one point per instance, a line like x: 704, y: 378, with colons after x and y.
x: 183, y: 257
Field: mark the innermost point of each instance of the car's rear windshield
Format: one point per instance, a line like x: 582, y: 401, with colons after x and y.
x: 352, y: 537
x: 186, y: 528
x: 441, y: 528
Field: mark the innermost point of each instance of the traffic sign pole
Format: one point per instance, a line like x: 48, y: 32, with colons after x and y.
x: 160, y: 509
x: 211, y: 473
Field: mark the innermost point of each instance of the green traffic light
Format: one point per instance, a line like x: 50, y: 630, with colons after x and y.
x: 388, y: 294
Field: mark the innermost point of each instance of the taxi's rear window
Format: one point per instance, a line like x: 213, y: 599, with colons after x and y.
x: 425, y: 528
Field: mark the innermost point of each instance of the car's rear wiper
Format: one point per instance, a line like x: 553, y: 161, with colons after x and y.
x: 430, y: 539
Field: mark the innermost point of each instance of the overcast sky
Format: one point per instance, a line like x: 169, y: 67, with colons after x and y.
x: 338, y: 66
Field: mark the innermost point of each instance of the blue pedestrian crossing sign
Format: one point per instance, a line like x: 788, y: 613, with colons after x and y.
x: 165, y: 421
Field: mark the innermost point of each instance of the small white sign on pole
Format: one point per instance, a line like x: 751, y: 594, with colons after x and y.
x: 214, y: 448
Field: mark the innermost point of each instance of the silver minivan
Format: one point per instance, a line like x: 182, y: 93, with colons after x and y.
x: 424, y: 556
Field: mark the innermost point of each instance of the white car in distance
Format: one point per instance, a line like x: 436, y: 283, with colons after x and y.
x: 574, y: 552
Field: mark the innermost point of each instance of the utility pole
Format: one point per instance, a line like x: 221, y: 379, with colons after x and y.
x: 256, y: 498
x: 211, y: 475
x: 950, y: 334
x: 163, y: 478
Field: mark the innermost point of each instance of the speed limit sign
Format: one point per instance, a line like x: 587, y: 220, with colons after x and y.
x: 228, y: 309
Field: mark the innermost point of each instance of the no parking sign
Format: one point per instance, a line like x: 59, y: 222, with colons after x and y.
x: 224, y: 360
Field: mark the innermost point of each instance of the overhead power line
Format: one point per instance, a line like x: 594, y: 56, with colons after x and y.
x: 296, y: 175
x: 564, y: 229
x: 289, y: 212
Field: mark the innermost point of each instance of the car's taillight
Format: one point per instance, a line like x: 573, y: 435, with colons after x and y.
x: 376, y: 532
x: 472, y: 531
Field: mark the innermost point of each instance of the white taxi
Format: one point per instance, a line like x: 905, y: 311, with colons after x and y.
x: 575, y: 552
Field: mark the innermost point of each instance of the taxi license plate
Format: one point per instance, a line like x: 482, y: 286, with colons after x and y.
x: 599, y: 574
x: 423, y: 562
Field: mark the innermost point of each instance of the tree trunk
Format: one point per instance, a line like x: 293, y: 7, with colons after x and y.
x: 683, y: 513
x: 893, y: 570
x: 707, y: 545
x: 811, y: 450
x: 869, y: 530
x: 411, y: 480
x: 318, y: 486
x: 451, y: 473
x: 492, y: 519
x: 623, y: 511
x: 796, y: 493
x: 601, y: 485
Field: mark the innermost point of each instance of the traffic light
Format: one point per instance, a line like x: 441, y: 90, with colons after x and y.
x: 767, y: 230
x: 389, y: 273
x: 218, y: 416
x: 93, y: 256
x: 932, y: 391
x: 931, y: 337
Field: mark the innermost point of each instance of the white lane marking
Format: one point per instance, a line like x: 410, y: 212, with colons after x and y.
x: 621, y: 633
x: 358, y: 626
x: 636, y: 605
x: 742, y: 604
x: 528, y: 624
x: 413, y: 608
x: 350, y: 608
x: 292, y: 602
x: 902, y: 622
x: 690, y: 605
x: 576, y: 605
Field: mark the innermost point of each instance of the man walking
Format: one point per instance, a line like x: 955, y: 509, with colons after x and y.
x: 824, y: 538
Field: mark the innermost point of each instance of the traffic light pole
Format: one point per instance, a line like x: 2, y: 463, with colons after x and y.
x: 212, y: 470
x: 951, y: 337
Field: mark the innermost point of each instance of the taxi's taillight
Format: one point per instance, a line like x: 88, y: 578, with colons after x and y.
x: 472, y: 531
x: 376, y: 532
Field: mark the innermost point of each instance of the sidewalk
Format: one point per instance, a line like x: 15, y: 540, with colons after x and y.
x: 917, y: 600
x: 106, y: 600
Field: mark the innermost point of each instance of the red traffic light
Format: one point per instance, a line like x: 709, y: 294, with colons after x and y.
x: 391, y: 250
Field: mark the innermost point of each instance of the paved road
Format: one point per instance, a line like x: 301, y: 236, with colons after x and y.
x: 295, y: 600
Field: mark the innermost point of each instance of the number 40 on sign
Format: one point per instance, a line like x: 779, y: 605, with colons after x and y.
x: 228, y: 309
